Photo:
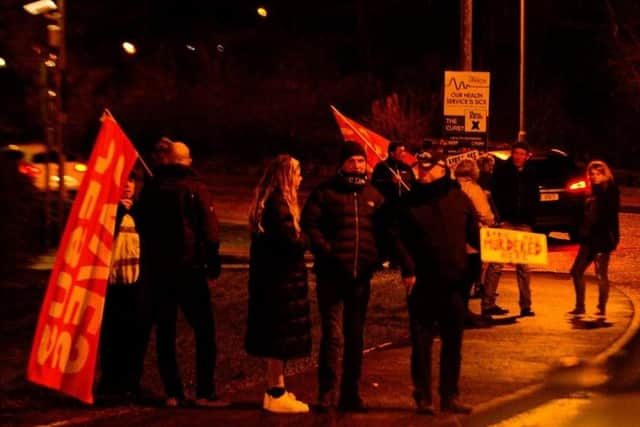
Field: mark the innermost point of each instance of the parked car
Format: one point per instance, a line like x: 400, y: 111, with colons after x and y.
x: 563, y: 186
x: 33, y: 158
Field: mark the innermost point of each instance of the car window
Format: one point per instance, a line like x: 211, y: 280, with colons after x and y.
x: 50, y: 157
x: 554, y: 169
x: 14, y: 155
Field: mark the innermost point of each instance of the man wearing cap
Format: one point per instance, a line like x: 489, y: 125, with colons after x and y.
x: 515, y: 192
x: 342, y: 220
x: 179, y: 237
x: 431, y: 230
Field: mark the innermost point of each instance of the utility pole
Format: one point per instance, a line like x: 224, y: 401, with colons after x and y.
x: 522, y: 133
x: 466, y: 35
x: 56, y: 34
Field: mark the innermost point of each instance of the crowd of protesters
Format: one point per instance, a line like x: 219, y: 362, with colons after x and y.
x: 419, y: 217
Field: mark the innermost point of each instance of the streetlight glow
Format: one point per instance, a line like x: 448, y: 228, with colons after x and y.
x: 3, y: 62
x: 190, y: 47
x: 262, y: 12
x: 129, y: 48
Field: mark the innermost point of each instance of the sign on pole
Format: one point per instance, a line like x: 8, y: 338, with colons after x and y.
x: 466, y: 106
x: 513, y: 246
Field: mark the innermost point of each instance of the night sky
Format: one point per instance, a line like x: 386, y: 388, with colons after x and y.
x: 349, y: 53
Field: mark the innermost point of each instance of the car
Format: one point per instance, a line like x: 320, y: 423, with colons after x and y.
x: 563, y: 189
x: 33, y: 159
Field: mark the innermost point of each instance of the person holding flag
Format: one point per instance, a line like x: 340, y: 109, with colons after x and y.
x: 392, y: 177
x: 126, y: 320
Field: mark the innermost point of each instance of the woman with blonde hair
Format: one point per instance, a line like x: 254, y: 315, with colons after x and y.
x: 599, y: 234
x: 278, y: 323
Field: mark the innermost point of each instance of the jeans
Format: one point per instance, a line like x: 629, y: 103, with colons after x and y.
x: 448, y: 314
x: 351, y: 296
x: 523, y: 275
x: 586, y: 255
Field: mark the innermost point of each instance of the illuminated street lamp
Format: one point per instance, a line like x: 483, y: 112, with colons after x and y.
x: 3, y: 62
x: 262, y: 12
x: 129, y: 48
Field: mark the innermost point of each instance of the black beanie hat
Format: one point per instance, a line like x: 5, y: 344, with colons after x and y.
x: 349, y: 149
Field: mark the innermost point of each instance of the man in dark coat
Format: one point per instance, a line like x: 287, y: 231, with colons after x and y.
x: 341, y: 219
x: 430, y: 233
x: 515, y: 192
x: 179, y: 238
x: 392, y: 177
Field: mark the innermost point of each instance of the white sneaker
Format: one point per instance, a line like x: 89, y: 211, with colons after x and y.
x: 285, y: 404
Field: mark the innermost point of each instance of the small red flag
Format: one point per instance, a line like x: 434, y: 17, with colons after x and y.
x: 375, y: 145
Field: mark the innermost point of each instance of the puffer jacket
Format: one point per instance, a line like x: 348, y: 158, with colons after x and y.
x: 278, y: 321
x: 343, y: 221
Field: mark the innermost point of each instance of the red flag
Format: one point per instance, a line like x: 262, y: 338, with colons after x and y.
x: 374, y: 145
x: 65, y: 345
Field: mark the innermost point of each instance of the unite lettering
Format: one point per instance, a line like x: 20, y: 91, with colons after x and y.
x: 75, y: 312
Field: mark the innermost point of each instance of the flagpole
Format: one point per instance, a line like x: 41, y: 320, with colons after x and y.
x: 108, y: 115
x: 366, y: 141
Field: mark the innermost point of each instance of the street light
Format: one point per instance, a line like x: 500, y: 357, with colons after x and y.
x: 40, y: 7
x: 3, y: 62
x: 262, y: 12
x: 129, y: 48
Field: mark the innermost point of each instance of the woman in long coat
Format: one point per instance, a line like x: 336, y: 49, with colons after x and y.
x: 278, y: 324
x: 599, y: 234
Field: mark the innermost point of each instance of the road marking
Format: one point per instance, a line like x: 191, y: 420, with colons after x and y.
x: 557, y: 412
x: 90, y: 418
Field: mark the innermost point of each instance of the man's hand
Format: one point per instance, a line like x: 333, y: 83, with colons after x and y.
x: 408, y: 283
x: 127, y: 203
x: 396, y: 178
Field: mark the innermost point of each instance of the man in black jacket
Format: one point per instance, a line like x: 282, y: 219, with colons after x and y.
x: 392, y: 177
x: 430, y: 233
x: 515, y: 192
x: 341, y: 219
x: 179, y: 238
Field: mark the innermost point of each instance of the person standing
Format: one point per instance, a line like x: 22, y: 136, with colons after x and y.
x: 435, y: 223
x: 392, y: 177
x: 342, y: 220
x: 599, y: 234
x: 515, y: 192
x: 125, y: 324
x: 179, y: 232
x: 278, y: 322
x: 467, y: 173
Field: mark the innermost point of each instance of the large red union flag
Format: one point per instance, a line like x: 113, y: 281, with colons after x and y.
x: 65, y: 345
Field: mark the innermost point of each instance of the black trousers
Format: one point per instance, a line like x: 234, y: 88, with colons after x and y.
x: 123, y: 338
x: 188, y: 290
x: 351, y: 296
x: 586, y: 255
x: 427, y: 314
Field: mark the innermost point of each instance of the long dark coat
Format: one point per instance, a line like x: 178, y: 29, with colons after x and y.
x: 279, y: 323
